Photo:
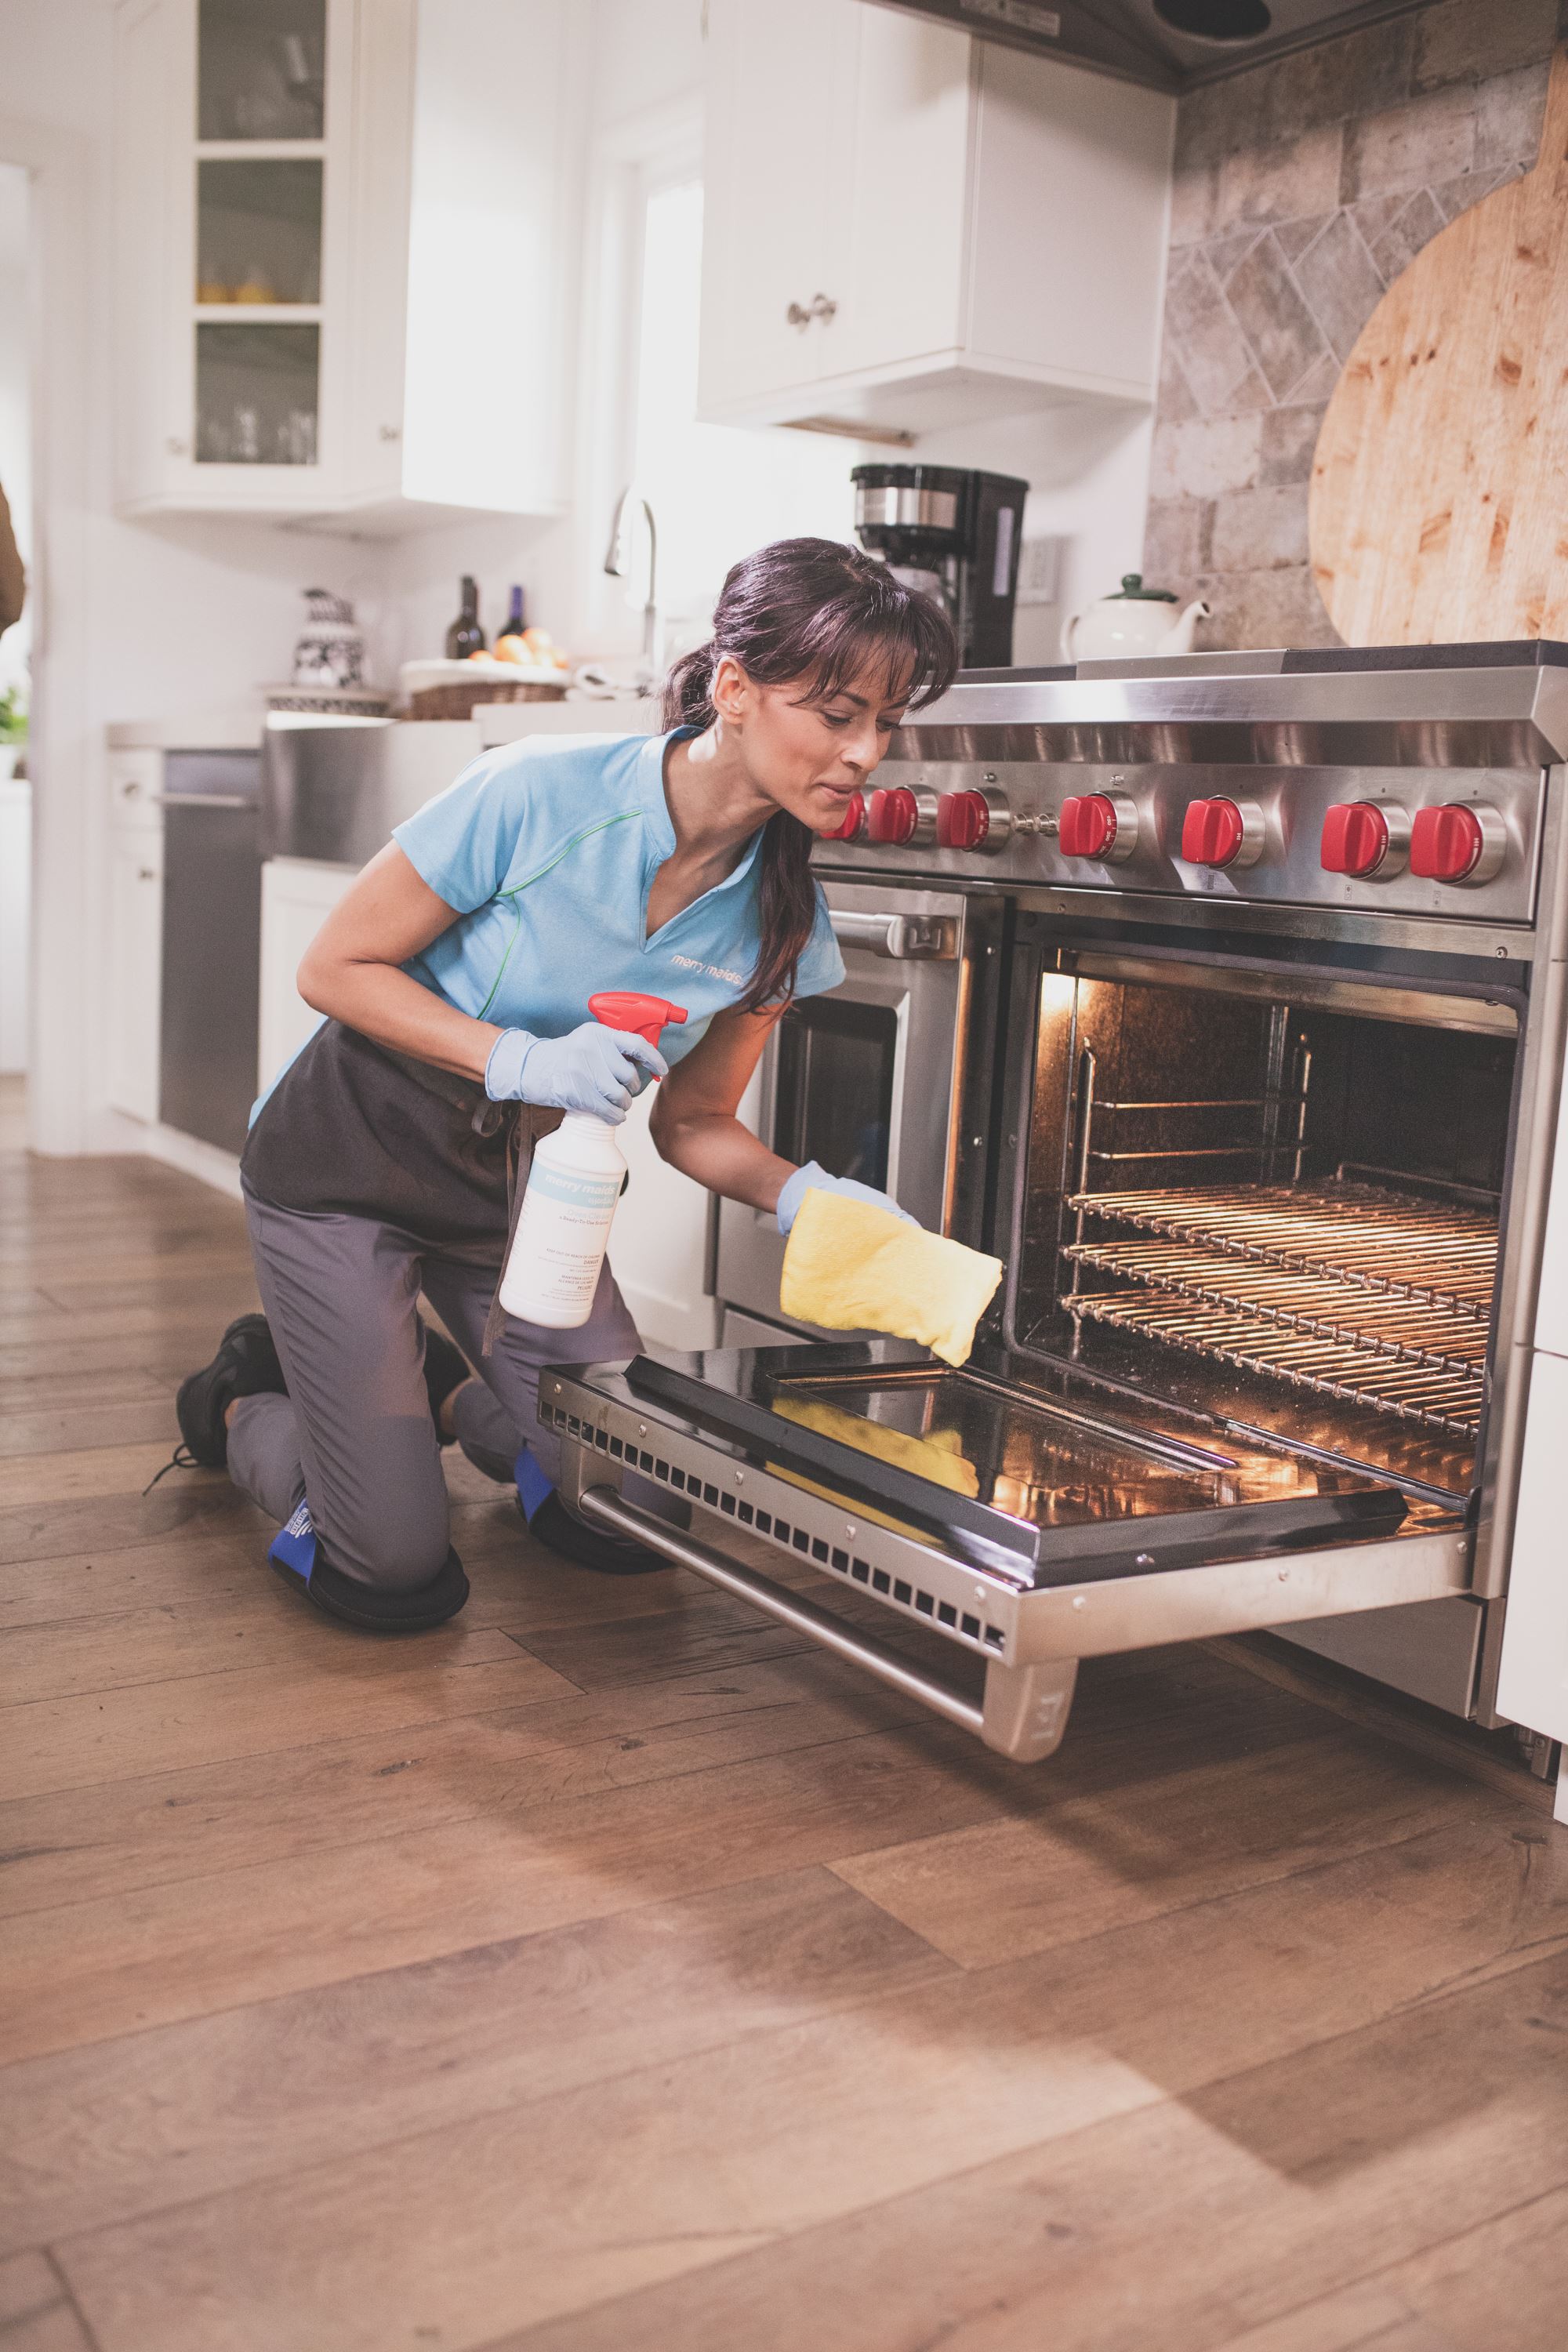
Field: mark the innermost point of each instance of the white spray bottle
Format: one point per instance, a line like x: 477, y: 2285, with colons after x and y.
x: 563, y: 1225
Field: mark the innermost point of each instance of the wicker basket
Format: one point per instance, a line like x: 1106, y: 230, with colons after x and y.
x: 454, y: 689
x: 461, y: 700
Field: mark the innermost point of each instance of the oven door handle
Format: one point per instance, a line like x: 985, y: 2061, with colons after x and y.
x: 1024, y: 1711
x: 903, y: 938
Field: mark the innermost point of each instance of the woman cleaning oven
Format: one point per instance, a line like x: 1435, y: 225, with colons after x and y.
x: 455, y: 977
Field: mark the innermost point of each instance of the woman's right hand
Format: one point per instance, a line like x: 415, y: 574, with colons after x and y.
x: 591, y: 1069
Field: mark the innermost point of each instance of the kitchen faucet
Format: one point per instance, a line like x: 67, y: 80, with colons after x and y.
x: 615, y: 563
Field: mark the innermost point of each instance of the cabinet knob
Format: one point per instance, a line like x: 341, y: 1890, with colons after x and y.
x: 392, y: 432
x: 176, y: 447
x: 821, y: 306
x: 131, y: 791
x: 147, y: 874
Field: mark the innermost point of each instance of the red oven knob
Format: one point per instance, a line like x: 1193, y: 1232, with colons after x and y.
x: 1222, y: 833
x: 1355, y: 838
x: 962, y: 820
x: 1085, y: 826
x: 1458, y: 842
x: 854, y: 823
x: 893, y: 815
x: 1101, y: 825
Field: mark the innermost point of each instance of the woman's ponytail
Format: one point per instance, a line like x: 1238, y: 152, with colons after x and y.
x: 816, y: 613
x: 688, y: 689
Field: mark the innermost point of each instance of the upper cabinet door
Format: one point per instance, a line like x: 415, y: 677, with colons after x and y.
x: 906, y: 186
x: 985, y: 233
x: 779, y: 172
x: 1070, y: 190
x: 227, y: 249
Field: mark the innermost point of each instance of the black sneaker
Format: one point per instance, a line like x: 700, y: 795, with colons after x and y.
x: 245, y: 1365
x: 588, y: 1547
x: 446, y: 1369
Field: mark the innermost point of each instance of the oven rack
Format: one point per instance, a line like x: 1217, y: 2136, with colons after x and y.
x: 1361, y: 1235
x: 1406, y: 1330
x: 1441, y: 1397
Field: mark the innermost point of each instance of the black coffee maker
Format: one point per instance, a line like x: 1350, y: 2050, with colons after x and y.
x: 955, y: 535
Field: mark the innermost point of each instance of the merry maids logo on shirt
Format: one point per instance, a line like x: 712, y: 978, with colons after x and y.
x: 713, y: 970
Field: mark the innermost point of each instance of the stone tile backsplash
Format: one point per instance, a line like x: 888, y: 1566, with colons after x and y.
x: 1302, y: 190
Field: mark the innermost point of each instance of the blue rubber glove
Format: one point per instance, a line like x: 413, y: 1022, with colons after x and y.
x: 813, y: 1179
x: 591, y: 1069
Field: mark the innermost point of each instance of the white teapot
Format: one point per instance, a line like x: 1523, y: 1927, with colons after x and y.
x: 1134, y: 624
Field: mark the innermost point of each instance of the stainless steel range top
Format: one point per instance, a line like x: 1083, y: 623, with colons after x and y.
x: 1207, y: 781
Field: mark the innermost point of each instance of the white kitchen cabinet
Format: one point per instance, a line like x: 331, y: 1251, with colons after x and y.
x: 296, y: 895
x: 134, y: 999
x: 343, y: 270
x: 1532, y: 1678
x: 660, y: 1242
x: 911, y: 228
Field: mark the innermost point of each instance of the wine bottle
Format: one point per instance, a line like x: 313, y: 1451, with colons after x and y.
x: 465, y: 636
x: 516, y: 619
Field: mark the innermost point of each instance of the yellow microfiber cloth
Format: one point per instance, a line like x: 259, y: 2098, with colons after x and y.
x: 853, y: 1268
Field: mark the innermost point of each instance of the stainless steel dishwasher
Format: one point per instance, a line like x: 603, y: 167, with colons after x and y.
x: 212, y: 943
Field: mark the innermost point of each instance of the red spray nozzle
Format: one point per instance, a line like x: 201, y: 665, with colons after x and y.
x: 622, y: 1008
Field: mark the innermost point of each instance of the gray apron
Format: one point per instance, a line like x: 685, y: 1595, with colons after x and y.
x: 353, y: 1128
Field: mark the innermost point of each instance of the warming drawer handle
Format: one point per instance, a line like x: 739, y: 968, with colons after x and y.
x: 902, y: 937
x: 1025, y: 1710
x: 803, y: 1616
x: 204, y: 800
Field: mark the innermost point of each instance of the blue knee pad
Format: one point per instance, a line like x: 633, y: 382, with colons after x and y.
x: 532, y: 1486
x: 299, y: 1559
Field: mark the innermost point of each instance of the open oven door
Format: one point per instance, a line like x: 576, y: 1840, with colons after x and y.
x: 1029, y: 1525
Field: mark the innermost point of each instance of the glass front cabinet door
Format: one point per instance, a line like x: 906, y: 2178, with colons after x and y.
x: 233, y: 197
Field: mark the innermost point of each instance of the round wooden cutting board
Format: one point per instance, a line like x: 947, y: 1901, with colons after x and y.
x: 1439, y: 495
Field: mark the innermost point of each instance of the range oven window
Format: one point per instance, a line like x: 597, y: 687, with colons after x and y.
x: 834, y: 1095
x: 1281, y: 1214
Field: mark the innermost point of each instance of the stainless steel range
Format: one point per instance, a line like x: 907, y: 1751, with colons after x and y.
x: 1256, y: 1094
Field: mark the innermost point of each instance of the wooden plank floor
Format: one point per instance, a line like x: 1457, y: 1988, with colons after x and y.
x: 604, y: 1972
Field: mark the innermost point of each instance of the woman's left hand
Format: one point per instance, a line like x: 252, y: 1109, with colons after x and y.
x: 813, y: 1179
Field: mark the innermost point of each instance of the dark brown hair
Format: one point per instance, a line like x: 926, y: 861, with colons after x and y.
x: 813, y: 612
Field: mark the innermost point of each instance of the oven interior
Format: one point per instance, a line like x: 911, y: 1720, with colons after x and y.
x: 1276, y: 1213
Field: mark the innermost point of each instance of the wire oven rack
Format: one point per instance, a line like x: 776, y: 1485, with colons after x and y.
x: 1353, y: 1291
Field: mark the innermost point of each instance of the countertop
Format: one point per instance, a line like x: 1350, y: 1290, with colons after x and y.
x: 196, y: 730
x: 492, y: 723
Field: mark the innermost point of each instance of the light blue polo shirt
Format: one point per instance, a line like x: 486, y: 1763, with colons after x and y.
x: 548, y: 849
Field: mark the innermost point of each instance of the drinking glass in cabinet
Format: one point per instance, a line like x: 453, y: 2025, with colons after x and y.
x: 256, y: 395
x: 262, y: 69
x: 258, y: 231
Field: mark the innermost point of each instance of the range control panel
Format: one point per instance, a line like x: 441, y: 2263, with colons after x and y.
x: 1456, y: 842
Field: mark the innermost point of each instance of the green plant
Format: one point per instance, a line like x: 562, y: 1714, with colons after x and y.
x: 12, y: 718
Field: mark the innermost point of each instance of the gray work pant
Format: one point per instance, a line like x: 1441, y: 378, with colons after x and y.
x: 353, y: 1436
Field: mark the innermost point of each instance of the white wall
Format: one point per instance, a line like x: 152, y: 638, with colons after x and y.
x: 16, y: 463
x: 15, y: 478
x: 1088, y: 470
